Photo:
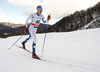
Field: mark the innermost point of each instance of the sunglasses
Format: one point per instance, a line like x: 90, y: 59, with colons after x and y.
x: 39, y: 8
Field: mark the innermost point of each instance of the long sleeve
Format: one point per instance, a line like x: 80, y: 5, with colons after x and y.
x: 44, y: 21
x: 30, y: 17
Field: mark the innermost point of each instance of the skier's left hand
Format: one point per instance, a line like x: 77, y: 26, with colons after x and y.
x: 49, y: 17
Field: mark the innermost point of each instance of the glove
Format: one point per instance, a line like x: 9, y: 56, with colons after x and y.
x: 26, y: 30
x: 49, y: 17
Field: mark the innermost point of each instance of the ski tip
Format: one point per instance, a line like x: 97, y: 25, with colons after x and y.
x: 8, y: 48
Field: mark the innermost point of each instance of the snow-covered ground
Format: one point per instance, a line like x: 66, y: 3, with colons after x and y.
x: 77, y: 51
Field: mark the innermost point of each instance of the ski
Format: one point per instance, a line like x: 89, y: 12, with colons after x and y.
x: 57, y: 63
x: 26, y: 50
x: 44, y: 59
x: 67, y: 65
x: 23, y: 48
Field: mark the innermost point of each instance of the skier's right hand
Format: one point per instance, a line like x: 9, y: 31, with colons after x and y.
x: 26, y: 30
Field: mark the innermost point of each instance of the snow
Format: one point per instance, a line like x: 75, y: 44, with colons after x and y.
x: 77, y: 51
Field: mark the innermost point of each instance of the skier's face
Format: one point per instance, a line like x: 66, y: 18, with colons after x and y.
x: 39, y: 11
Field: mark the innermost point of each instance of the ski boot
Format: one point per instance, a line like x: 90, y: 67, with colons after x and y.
x: 35, y: 56
x: 23, y: 45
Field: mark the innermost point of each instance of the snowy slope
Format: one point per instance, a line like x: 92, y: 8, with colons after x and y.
x: 86, y: 26
x: 77, y: 51
x: 93, y: 24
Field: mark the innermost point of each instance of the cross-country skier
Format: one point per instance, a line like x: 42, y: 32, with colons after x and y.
x: 35, y: 22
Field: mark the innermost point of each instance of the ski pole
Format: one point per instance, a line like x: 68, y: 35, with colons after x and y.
x: 44, y: 38
x: 16, y: 41
x: 49, y: 17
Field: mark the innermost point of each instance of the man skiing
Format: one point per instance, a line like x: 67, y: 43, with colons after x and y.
x: 35, y: 22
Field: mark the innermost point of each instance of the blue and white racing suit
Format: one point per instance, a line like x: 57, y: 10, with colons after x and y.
x: 35, y: 22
